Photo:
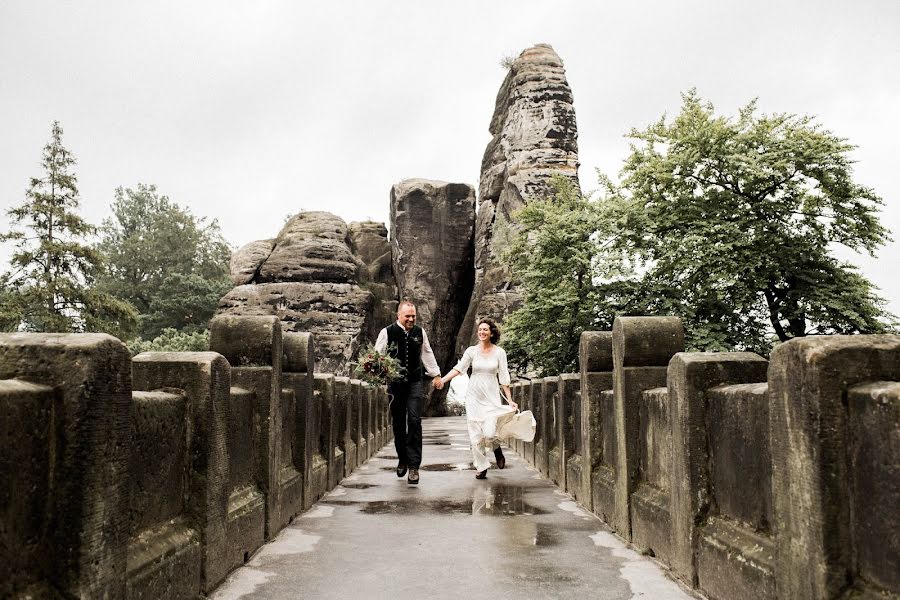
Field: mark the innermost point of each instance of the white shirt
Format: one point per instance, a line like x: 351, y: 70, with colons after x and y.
x: 428, y: 359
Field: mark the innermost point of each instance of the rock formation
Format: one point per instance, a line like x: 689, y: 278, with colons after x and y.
x: 431, y: 235
x: 311, y: 279
x: 369, y: 242
x: 534, y: 138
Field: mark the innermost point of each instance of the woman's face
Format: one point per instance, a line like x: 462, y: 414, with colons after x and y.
x: 484, y: 332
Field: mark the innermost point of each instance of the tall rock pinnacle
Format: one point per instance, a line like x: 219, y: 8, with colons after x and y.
x: 535, y: 137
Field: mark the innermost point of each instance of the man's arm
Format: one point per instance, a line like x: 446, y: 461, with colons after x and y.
x: 428, y: 359
x: 381, y: 342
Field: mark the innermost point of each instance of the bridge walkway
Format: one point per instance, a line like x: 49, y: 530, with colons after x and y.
x: 513, y: 535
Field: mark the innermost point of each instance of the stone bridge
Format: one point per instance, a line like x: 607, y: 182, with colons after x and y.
x: 165, y: 476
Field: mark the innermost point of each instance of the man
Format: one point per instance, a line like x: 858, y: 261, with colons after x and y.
x: 408, y: 343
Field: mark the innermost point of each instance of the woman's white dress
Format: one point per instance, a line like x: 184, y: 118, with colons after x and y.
x: 488, y: 419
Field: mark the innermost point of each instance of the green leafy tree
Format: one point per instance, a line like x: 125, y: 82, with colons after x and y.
x: 551, y: 252
x: 169, y: 264
x: 735, y: 221
x: 172, y: 340
x: 50, y: 284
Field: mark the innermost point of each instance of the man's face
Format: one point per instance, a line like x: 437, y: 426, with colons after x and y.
x: 407, y: 316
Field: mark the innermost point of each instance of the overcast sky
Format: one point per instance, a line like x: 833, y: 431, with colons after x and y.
x: 249, y: 111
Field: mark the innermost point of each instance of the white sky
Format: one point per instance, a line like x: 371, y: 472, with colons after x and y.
x: 249, y: 111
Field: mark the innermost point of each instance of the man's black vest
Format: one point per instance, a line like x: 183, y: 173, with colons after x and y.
x: 407, y: 348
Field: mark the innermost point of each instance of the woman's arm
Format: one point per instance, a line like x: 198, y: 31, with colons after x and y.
x: 446, y: 378
x: 507, y: 394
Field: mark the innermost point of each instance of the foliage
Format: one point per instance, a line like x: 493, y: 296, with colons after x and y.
x: 50, y: 285
x: 552, y: 255
x: 734, y: 221
x: 172, y: 340
x: 171, y: 265
x: 728, y: 224
x: 375, y: 367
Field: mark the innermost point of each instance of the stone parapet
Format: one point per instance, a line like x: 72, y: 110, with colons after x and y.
x: 77, y: 543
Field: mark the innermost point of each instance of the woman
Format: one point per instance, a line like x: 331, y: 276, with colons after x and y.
x: 485, y: 413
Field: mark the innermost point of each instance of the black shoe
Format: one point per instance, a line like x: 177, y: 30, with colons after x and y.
x: 413, y: 477
x: 501, y: 460
x: 481, y: 474
x: 401, y: 470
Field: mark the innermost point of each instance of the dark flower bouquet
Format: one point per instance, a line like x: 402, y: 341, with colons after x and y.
x: 377, y: 368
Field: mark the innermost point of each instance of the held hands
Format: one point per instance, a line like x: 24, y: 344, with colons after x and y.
x: 437, y: 382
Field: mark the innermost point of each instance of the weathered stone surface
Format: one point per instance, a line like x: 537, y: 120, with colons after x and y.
x: 431, y: 234
x: 83, y: 541
x: 337, y: 313
x: 319, y: 276
x: 247, y: 260
x: 369, y: 241
x: 312, y: 246
x: 690, y: 377
x: 809, y: 381
x: 534, y: 138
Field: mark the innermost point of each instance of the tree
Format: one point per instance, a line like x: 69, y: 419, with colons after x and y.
x: 171, y: 265
x: 552, y: 255
x: 50, y: 284
x: 735, y: 221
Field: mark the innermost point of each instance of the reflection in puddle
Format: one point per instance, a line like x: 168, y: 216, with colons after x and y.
x: 441, y: 467
x: 499, y: 500
x: 495, y: 501
x: 358, y: 486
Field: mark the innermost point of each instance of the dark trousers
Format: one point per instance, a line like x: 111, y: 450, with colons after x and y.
x: 406, y: 411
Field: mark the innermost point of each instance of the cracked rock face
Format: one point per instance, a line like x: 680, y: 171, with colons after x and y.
x: 310, y: 277
x: 432, y: 223
x: 534, y: 138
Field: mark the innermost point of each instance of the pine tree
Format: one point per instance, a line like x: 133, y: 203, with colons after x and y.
x: 49, y: 286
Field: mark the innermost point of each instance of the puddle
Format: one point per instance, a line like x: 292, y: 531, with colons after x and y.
x: 495, y: 501
x: 358, y: 486
x: 440, y: 467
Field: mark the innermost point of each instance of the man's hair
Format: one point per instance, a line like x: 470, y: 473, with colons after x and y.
x: 405, y: 303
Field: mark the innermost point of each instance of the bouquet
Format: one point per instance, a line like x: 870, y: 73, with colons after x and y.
x: 377, y: 368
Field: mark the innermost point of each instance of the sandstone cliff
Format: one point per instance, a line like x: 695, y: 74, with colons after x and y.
x: 534, y: 137
x: 432, y: 223
x: 311, y: 278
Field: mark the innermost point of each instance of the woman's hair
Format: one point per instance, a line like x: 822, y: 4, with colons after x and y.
x: 495, y: 331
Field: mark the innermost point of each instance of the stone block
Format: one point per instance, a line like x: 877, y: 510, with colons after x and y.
x: 341, y: 433
x: 370, y: 415
x: 164, y: 550
x: 356, y: 424
x: 204, y: 379
x: 735, y: 563
x: 553, y: 417
x: 874, y: 465
x: 542, y: 434
x: 245, y: 521
x: 740, y: 465
x: 596, y: 364
x: 324, y: 385
x: 650, y: 507
x: 808, y: 383
x: 27, y: 440
x: 247, y: 341
x: 83, y: 542
x: 642, y: 347
x: 253, y: 346
x: 290, y: 478
x: 691, y: 376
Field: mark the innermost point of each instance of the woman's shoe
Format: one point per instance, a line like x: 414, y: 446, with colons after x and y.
x: 481, y: 474
x: 501, y: 460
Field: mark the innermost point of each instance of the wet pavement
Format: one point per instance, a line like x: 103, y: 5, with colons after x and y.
x: 513, y: 535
